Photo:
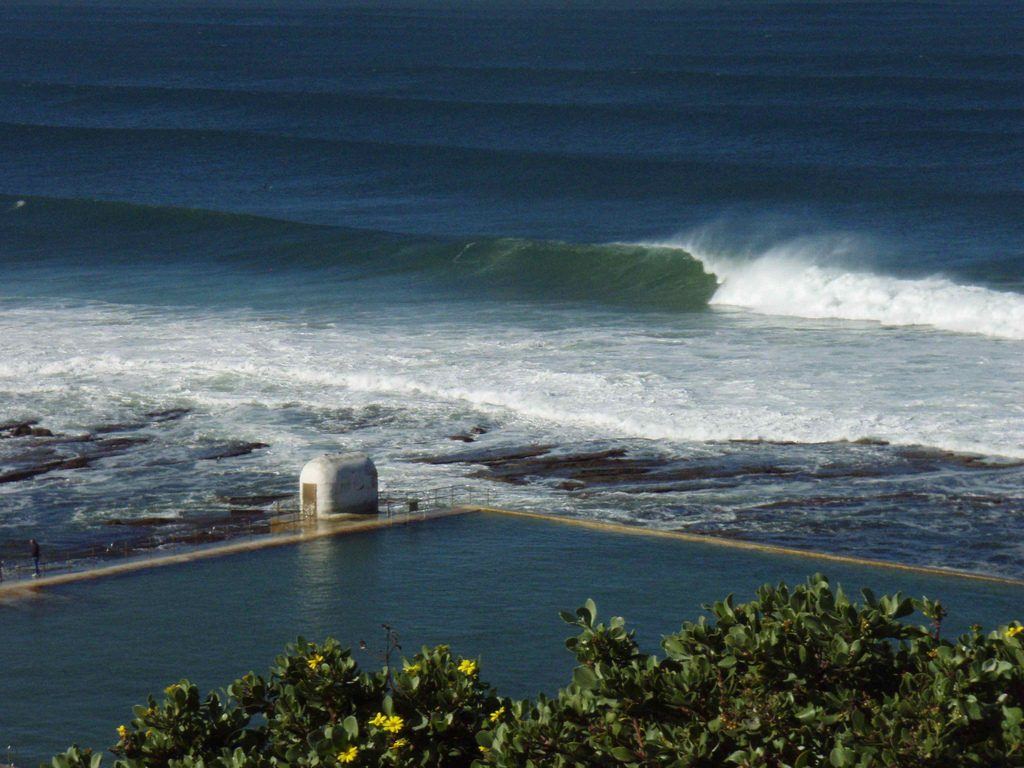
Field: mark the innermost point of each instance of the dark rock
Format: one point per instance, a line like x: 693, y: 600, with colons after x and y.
x: 487, y: 455
x: 870, y: 441
x: 832, y: 471
x: 170, y: 414
x: 230, y: 451
x: 571, y: 485
x: 128, y: 426
x: 462, y: 438
x: 45, y: 463
x: 78, y: 462
x: 763, y: 441
x: 478, y: 430
x: 595, y: 467
x: 24, y: 474
x: 41, y: 432
x: 610, y: 468
x: 11, y: 426
x: 138, y: 522
x: 110, y: 446
x: 56, y: 439
x: 203, y: 536
x: 256, y: 501
x: 929, y: 458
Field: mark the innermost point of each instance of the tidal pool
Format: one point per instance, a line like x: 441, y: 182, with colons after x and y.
x: 76, y: 659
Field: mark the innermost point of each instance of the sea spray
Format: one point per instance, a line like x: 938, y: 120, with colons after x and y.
x: 804, y: 278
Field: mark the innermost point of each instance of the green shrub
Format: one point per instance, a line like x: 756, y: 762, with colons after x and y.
x: 800, y: 677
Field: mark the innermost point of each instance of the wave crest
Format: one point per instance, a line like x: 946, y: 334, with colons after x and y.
x: 789, y: 280
x: 110, y: 235
x: 797, y: 278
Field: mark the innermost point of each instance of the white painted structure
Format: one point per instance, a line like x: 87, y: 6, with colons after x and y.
x: 339, y: 484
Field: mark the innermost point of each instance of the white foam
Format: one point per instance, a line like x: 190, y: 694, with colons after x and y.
x: 789, y: 280
x: 563, y: 379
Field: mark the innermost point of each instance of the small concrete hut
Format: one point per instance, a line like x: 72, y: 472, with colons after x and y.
x: 339, y: 484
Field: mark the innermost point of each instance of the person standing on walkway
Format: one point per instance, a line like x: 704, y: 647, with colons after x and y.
x: 35, y: 556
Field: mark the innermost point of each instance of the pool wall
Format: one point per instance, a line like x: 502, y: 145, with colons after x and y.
x: 80, y: 654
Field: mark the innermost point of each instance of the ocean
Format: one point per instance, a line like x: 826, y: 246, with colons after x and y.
x: 749, y: 269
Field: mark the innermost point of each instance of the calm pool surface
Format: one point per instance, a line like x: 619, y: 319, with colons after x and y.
x: 76, y: 660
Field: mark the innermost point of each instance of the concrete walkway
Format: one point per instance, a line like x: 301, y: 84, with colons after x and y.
x: 302, y: 533
x: 358, y: 524
x: 751, y: 546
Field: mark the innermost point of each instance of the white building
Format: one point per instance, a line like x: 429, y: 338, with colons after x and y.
x: 339, y: 484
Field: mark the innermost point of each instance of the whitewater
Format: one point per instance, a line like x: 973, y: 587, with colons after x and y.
x: 805, y: 278
x: 766, y: 261
x: 606, y: 340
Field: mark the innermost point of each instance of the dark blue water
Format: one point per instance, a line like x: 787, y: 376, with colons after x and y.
x: 901, y: 119
x: 776, y: 247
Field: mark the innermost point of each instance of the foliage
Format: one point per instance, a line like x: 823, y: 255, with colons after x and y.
x: 795, y: 678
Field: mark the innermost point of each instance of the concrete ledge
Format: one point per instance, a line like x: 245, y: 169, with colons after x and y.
x: 315, y: 530
x: 359, y: 524
x: 751, y: 546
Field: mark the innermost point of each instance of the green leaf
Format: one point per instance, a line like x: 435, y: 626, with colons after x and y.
x: 840, y: 757
x: 587, y: 612
x: 351, y: 726
x: 585, y: 678
x: 622, y: 754
x: 807, y: 715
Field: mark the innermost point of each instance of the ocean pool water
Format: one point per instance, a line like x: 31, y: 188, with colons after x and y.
x: 77, y: 659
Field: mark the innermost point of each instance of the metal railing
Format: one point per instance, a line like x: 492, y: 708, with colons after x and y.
x: 395, y: 504
x: 68, y: 559
x: 395, y: 501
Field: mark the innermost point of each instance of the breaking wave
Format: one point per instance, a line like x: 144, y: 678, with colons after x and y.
x: 806, y: 278
x: 107, y: 234
x: 800, y: 278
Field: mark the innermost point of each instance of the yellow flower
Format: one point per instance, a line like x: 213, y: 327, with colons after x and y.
x: 399, y: 743
x: 392, y: 724
x: 467, y: 667
x: 314, y: 661
x: 1014, y: 631
x: 348, y: 755
x: 122, y: 732
x: 484, y: 750
x: 496, y: 714
x: 412, y: 669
